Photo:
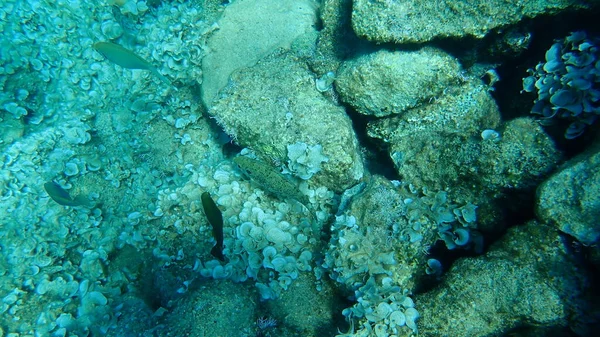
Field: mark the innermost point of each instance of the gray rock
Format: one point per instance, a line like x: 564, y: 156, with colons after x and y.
x: 306, y: 310
x: 439, y: 146
x: 336, y: 38
x: 390, y: 219
x: 136, y: 318
x: 379, y: 207
x: 423, y: 20
x: 424, y: 143
x: 390, y: 82
x: 247, y: 32
x: 274, y: 104
x: 570, y: 199
x: 219, y: 308
x: 527, y: 278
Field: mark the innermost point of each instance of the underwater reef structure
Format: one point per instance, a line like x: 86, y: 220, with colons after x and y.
x: 568, y: 83
x: 294, y: 168
x: 418, y: 21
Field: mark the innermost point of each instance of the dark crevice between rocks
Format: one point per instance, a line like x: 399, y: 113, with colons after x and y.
x: 375, y: 152
x: 544, y: 31
x: 338, y: 303
x: 511, y: 69
x: 229, y: 146
x: 447, y: 257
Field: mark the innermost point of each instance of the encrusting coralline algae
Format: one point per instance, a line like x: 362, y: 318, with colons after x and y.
x: 125, y: 208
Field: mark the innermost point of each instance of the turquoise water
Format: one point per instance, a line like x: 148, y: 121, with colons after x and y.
x: 377, y: 201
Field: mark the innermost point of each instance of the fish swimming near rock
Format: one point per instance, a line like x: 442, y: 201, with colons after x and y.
x: 269, y: 179
x: 126, y: 58
x: 215, y: 219
x: 62, y: 197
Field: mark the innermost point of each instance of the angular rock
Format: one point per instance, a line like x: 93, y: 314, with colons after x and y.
x: 570, y: 199
x: 424, y: 143
x: 392, y: 219
x: 528, y: 279
x: 274, y: 104
x: 248, y: 31
x: 418, y: 21
x: 390, y: 82
x: 440, y: 145
x: 336, y: 38
x: 359, y: 251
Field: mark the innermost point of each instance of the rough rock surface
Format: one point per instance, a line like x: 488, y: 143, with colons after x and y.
x: 390, y: 82
x: 440, y: 144
x: 570, y: 199
x: 229, y: 307
x: 528, y: 278
x: 248, y: 31
x: 420, y: 21
x: 424, y: 142
x: 378, y: 207
x: 275, y: 104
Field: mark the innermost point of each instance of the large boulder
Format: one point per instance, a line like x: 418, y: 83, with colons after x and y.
x: 248, y: 31
x: 274, y: 108
x: 529, y: 279
x: 570, y: 199
x: 424, y: 20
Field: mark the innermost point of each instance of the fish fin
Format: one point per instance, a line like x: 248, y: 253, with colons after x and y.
x: 305, y: 209
x: 83, y: 201
x: 217, y: 251
x: 162, y: 77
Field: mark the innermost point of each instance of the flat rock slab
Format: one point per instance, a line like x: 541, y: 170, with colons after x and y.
x: 248, y: 31
x: 418, y: 21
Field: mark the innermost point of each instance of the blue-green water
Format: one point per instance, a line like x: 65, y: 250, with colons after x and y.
x: 387, y: 194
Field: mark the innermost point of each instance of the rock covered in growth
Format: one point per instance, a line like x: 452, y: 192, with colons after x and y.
x: 248, y: 31
x: 314, y: 317
x: 453, y: 142
x: 424, y: 142
x: 570, y: 199
x: 418, y: 21
x: 390, y: 82
x: 522, y: 156
x: 379, y: 246
x: 528, y: 278
x: 568, y: 83
x: 276, y: 104
x: 220, y: 308
x: 362, y: 243
x: 387, y: 230
x: 336, y: 38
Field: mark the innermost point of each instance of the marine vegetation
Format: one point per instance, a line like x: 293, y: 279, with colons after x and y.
x: 568, y: 83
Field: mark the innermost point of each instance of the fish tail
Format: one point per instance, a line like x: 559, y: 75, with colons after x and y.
x: 162, y: 77
x: 217, y: 251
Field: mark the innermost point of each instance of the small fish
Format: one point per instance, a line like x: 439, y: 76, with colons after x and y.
x: 126, y: 58
x: 62, y: 197
x: 215, y: 219
x: 269, y: 179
